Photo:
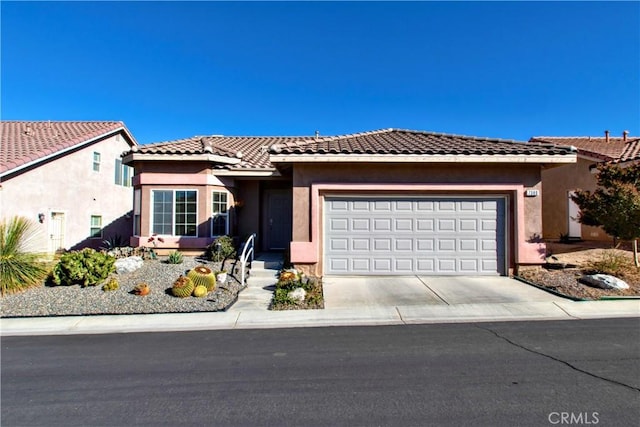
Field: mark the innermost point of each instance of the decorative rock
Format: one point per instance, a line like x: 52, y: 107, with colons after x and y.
x: 297, y: 295
x: 221, y: 278
x: 604, y: 281
x: 128, y: 265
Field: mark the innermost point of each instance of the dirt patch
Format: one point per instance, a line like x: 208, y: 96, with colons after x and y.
x: 585, y: 258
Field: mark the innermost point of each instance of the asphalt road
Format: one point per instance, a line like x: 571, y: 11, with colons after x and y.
x: 484, y: 374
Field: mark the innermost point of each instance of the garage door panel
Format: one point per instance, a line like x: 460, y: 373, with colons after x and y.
x: 339, y: 244
x: 468, y: 245
x: 382, y: 244
x: 437, y: 235
x: 360, y: 224
x: 360, y: 245
x: 383, y: 265
x: 468, y: 266
x: 360, y: 265
x: 338, y: 224
x: 403, y: 245
x: 405, y: 224
x: 425, y: 224
x: 382, y: 224
x: 468, y: 225
x: 425, y: 245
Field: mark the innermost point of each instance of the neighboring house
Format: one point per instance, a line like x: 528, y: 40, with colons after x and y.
x: 559, y: 212
x: 383, y: 202
x: 69, y: 179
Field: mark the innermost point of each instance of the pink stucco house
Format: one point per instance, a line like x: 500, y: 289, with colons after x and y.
x: 389, y: 202
x: 68, y: 178
x: 559, y: 212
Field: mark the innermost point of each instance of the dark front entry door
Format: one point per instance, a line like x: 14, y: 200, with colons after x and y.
x: 278, y: 220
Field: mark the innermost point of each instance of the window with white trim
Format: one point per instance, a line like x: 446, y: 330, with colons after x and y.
x: 175, y: 212
x: 123, y: 174
x: 219, y: 214
x: 96, y: 226
x: 96, y: 161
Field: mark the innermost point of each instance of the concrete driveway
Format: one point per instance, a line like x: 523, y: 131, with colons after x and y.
x: 394, y: 291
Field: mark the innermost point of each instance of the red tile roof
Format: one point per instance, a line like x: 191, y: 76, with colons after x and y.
x: 255, y: 149
x: 616, y: 150
x: 23, y: 142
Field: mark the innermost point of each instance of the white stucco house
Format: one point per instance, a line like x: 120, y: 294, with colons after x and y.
x: 69, y: 179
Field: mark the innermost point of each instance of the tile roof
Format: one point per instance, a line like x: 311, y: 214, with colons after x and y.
x: 402, y: 141
x: 616, y: 150
x: 23, y: 142
x: 255, y: 150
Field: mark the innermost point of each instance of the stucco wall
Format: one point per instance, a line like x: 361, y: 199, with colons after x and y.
x: 524, y: 228
x: 556, y: 183
x: 196, y: 176
x: 69, y: 184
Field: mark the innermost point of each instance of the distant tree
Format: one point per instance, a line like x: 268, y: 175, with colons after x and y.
x: 615, y: 204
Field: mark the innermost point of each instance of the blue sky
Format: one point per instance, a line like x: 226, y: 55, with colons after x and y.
x: 172, y: 70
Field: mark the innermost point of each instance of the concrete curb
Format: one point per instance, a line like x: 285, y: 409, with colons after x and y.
x: 361, y: 316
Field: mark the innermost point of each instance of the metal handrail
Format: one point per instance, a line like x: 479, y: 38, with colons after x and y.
x: 247, y: 252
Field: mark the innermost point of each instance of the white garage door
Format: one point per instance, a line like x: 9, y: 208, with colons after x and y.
x: 435, y: 235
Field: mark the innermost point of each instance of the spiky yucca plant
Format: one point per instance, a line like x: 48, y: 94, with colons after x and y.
x: 19, y: 268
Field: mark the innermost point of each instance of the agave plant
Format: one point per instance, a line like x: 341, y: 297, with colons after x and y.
x: 19, y: 268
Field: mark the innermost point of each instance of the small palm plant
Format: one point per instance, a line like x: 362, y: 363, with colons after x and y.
x: 19, y: 269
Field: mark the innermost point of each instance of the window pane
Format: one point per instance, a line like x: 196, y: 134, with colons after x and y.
x: 96, y: 161
x: 96, y: 226
x: 162, y: 212
x: 126, y: 176
x: 118, y: 172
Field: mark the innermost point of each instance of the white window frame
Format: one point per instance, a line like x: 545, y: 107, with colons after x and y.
x: 93, y: 227
x: 123, y: 174
x: 97, y: 158
x: 173, y: 211
x: 225, y: 215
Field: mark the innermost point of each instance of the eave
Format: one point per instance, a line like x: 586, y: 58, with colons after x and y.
x: 132, y: 157
x: 422, y: 158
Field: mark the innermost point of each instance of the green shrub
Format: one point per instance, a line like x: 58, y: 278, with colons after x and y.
x: 281, y: 297
x: 289, y: 280
x: 611, y: 262
x: 111, y: 285
x: 175, y: 257
x: 222, y: 248
x: 86, y: 268
x: 19, y: 269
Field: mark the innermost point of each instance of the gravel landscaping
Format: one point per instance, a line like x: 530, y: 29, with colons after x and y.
x: 49, y: 300
x: 566, y: 281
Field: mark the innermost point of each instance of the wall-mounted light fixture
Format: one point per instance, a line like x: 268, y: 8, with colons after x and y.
x: 41, y: 218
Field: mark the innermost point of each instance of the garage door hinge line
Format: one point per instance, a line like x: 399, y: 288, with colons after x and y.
x: 434, y: 292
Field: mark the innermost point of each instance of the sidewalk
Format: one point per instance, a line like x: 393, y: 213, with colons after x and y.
x: 257, y: 318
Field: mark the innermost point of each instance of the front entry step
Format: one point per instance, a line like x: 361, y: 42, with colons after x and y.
x: 261, y: 283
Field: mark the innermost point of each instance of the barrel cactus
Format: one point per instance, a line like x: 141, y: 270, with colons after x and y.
x: 182, y: 287
x: 142, y: 289
x: 200, y: 291
x: 202, y: 275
